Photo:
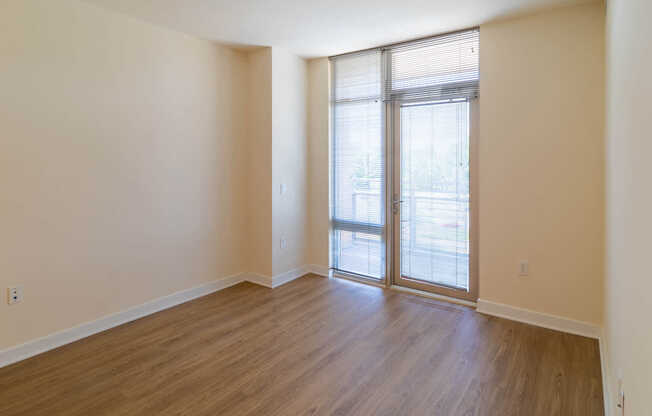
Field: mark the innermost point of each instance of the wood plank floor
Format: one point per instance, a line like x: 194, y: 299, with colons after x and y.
x: 314, y: 346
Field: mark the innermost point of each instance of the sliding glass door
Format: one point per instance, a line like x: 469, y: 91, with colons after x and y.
x: 419, y: 95
x: 432, y: 197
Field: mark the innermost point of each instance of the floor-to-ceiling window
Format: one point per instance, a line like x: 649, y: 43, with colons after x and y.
x: 358, y: 166
x: 414, y: 99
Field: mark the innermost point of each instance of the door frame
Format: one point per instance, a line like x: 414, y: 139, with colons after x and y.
x: 393, y: 172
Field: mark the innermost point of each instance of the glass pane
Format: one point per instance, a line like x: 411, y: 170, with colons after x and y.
x: 358, y: 186
x: 435, y: 190
x: 359, y: 163
x: 436, y: 64
x: 360, y: 253
x: 358, y: 174
x: 357, y: 76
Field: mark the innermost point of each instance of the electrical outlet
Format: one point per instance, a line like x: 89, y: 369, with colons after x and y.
x: 283, y: 189
x: 620, y: 400
x: 14, y: 294
x: 284, y: 243
x: 524, y: 268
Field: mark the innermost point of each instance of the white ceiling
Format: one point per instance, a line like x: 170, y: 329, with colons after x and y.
x: 320, y: 28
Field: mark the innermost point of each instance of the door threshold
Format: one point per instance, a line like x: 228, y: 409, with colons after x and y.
x: 436, y: 296
x: 422, y: 293
x: 357, y: 279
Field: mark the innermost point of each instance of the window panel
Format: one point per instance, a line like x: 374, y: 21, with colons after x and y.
x: 359, y: 253
x: 435, y: 190
x: 437, y: 69
x: 443, y: 67
x: 359, y: 163
x: 358, y: 166
x: 357, y: 77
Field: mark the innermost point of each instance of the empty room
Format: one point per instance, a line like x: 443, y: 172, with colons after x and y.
x: 436, y: 208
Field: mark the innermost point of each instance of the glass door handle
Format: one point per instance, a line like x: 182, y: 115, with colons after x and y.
x: 395, y: 204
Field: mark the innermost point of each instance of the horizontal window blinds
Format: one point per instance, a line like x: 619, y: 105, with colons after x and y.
x: 435, y: 214
x: 438, y: 68
x: 357, y: 77
x: 358, y: 164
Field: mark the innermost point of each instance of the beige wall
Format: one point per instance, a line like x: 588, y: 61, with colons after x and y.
x: 318, y: 161
x: 277, y: 151
x: 121, y: 169
x: 629, y: 203
x: 259, y: 172
x: 541, y: 161
x: 138, y: 161
x: 289, y: 161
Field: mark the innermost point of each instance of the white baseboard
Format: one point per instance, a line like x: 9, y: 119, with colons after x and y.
x: 49, y: 342
x: 544, y: 320
x: 318, y: 270
x: 604, y: 367
x: 560, y: 324
x: 258, y: 279
x: 283, y: 278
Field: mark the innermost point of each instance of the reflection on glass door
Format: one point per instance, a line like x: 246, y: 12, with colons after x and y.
x: 432, y: 197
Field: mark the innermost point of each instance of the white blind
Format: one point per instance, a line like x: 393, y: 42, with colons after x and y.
x: 438, y: 68
x: 435, y: 183
x: 358, y: 170
x: 357, y: 77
